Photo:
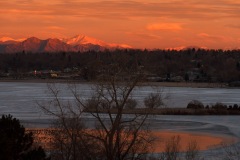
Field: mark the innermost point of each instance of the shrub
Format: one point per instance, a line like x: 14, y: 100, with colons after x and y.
x: 131, y: 104
x: 235, y: 106
x: 154, y: 101
x: 91, y: 103
x: 95, y: 103
x: 207, y: 107
x: 195, y: 104
x: 219, y: 106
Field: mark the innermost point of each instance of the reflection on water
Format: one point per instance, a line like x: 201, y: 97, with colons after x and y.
x: 217, y: 125
x: 214, y: 125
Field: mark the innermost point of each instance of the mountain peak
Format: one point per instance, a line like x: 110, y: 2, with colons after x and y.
x: 53, y: 40
x: 83, y: 40
x: 80, y: 43
x: 32, y: 40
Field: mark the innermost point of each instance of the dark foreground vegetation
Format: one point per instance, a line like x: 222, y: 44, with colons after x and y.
x: 154, y: 105
x: 195, y: 65
x: 176, y: 111
x: 20, y: 144
x: 16, y: 143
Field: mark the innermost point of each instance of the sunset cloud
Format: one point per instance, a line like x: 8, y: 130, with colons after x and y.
x: 212, y: 37
x: 110, y: 20
x: 233, y: 26
x: 144, y: 35
x: 215, y: 40
x: 55, y: 28
x: 135, y: 8
x: 165, y: 26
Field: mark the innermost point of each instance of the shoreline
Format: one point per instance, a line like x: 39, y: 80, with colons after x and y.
x: 154, y: 84
x: 171, y: 111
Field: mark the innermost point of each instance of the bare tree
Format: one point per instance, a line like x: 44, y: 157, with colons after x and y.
x: 156, y: 100
x: 120, y: 136
x: 192, y: 150
x: 115, y: 135
x: 231, y: 152
x: 69, y: 140
x: 172, y: 148
x: 131, y: 104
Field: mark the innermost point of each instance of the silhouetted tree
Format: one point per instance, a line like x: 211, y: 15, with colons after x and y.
x: 155, y: 100
x: 186, y: 77
x: 114, y: 136
x: 195, y: 104
x: 15, y: 143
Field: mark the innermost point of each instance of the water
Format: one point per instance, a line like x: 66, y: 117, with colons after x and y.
x: 20, y: 100
x: 215, y: 125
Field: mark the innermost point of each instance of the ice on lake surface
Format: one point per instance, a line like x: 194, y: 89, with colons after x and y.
x: 20, y: 100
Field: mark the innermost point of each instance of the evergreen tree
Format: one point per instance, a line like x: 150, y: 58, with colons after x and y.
x: 15, y: 143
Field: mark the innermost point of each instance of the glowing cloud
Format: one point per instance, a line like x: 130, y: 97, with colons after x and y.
x: 144, y: 36
x: 140, y: 23
x: 54, y: 28
x: 5, y: 39
x: 212, y: 37
x: 165, y: 26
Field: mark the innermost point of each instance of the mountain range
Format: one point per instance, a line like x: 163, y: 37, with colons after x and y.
x: 79, y: 43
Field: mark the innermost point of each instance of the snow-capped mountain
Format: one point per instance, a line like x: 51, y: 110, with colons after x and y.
x: 6, y: 39
x: 85, y: 40
x: 82, y: 40
x: 75, y: 44
x: 35, y: 45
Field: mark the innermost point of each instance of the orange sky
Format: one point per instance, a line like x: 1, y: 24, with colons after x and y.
x: 139, y: 23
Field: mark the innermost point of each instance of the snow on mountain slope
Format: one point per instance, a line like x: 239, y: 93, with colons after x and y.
x: 81, y: 39
x: 78, y: 43
x: 84, y: 40
x: 5, y: 39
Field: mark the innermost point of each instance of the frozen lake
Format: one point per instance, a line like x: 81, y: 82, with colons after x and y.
x: 19, y: 99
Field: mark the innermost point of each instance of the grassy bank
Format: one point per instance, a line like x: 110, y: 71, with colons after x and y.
x: 172, y: 111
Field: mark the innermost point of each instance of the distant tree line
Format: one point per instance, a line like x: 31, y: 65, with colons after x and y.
x: 197, y: 65
x: 195, y: 104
